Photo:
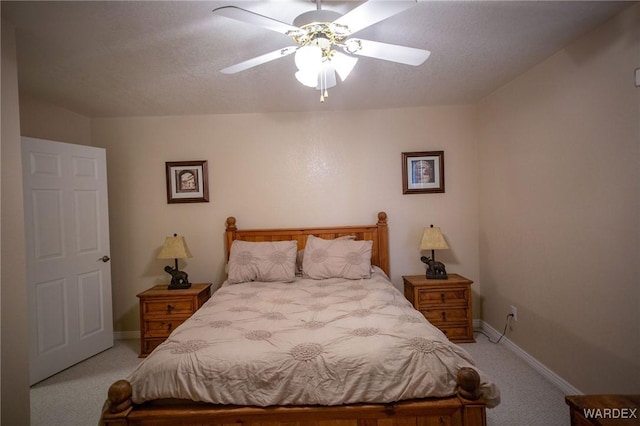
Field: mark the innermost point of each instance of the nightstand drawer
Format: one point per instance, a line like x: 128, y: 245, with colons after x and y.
x: 444, y: 316
x: 168, y: 307
x: 445, y: 303
x: 163, y: 310
x: 161, y: 328
x: 443, y: 296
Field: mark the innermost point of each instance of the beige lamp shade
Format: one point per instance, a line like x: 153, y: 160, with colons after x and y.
x: 174, y: 248
x: 432, y: 239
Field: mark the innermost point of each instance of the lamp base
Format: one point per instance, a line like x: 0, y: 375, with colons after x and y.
x: 179, y: 285
x: 435, y: 270
x: 431, y: 276
x: 179, y: 279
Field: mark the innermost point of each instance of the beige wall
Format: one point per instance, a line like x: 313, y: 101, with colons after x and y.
x: 559, y: 185
x: 14, y: 365
x: 46, y: 121
x: 281, y: 170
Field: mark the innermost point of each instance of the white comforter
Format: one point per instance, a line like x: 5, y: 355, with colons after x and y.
x: 324, y: 342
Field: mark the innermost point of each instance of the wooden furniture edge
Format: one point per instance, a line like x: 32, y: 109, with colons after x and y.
x: 413, y: 285
x: 599, y: 404
x: 198, y: 293
x: 120, y: 410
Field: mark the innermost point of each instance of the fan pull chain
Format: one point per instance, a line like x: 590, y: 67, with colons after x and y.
x: 324, y: 92
x: 323, y: 84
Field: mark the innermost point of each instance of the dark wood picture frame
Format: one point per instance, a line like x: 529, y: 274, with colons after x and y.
x: 187, y: 182
x: 423, y: 172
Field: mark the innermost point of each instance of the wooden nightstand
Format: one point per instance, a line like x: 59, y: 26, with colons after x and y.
x: 162, y: 310
x: 445, y: 303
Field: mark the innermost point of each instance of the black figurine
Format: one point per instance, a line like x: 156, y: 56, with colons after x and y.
x: 435, y: 269
x: 179, y: 279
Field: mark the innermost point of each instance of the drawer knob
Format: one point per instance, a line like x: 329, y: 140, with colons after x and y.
x: 170, y: 308
x: 444, y: 316
x: 442, y: 298
x: 169, y: 327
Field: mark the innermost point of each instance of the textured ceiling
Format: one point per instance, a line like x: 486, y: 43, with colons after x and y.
x: 125, y: 58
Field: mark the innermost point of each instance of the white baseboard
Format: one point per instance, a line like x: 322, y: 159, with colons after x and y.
x: 564, y: 386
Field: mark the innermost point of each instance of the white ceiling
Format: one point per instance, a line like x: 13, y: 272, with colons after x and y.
x: 125, y: 58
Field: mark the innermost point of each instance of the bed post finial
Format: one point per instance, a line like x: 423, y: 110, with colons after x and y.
x: 119, y: 396
x: 382, y: 218
x: 468, y: 383
x: 230, y: 233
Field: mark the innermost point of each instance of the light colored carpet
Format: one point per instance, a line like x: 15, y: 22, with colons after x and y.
x: 75, y: 396
x: 527, y: 397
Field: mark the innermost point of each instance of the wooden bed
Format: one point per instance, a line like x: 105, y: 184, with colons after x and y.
x: 464, y: 409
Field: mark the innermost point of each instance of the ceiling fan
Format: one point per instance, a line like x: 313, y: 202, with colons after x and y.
x: 319, y: 32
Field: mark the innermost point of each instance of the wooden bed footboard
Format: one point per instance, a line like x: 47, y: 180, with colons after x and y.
x: 464, y: 409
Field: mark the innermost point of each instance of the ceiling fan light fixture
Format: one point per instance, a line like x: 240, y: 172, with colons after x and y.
x: 343, y: 64
x: 308, y: 57
x: 308, y: 78
x: 353, y: 45
x: 326, y: 78
x: 317, y: 33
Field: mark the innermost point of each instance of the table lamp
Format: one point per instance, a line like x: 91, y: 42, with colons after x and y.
x: 176, y: 248
x: 432, y: 239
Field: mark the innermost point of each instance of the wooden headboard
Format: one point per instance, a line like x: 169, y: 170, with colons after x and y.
x: 377, y: 233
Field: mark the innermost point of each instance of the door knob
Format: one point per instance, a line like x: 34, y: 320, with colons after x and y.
x: 105, y: 258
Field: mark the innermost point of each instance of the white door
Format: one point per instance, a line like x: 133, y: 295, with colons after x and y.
x: 67, y: 242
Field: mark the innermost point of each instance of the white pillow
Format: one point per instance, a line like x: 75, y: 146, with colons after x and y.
x: 262, y: 261
x: 300, y: 255
x: 339, y: 258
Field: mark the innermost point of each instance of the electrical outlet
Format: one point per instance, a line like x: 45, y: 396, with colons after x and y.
x: 514, y: 313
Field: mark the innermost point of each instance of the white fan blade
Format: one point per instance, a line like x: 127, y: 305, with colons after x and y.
x: 243, y: 15
x: 259, y: 60
x: 372, y: 12
x: 390, y: 52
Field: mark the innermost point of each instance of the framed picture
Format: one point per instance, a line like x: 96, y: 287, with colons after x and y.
x: 422, y: 172
x: 187, y: 182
